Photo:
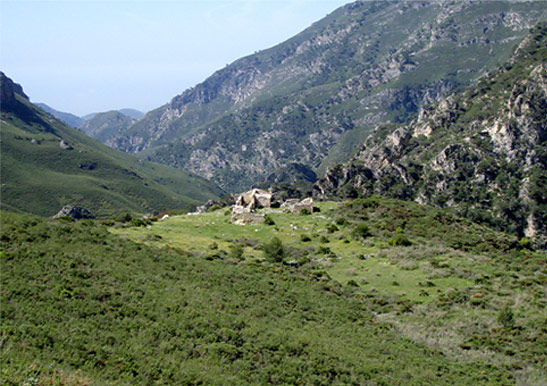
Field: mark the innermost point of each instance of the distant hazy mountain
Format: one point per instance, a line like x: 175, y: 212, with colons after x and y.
x: 69, y: 119
x: 46, y: 164
x: 315, y: 98
x: 132, y: 113
x: 104, y: 126
x: 482, y: 151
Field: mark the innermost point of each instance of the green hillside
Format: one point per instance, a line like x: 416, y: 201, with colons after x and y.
x: 344, y: 301
x: 316, y: 97
x: 46, y: 164
x: 104, y: 126
x: 482, y: 151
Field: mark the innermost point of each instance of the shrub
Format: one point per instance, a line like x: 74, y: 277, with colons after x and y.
x: 214, y: 207
x: 305, y: 238
x: 332, y: 228
x: 274, y: 250
x: 124, y: 217
x: 341, y: 221
x: 305, y: 212
x: 506, y: 317
x: 213, y: 247
x: 361, y: 231
x: 268, y: 220
x: 236, y: 251
x: 400, y: 240
x: 324, y: 239
x: 137, y: 222
x: 525, y: 243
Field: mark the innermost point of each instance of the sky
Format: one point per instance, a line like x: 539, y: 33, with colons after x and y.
x: 91, y: 56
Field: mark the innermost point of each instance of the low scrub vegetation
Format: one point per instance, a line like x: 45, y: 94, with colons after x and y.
x: 196, y: 300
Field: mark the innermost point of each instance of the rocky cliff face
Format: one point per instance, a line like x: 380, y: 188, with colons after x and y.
x: 8, y: 90
x: 314, y: 98
x: 482, y: 151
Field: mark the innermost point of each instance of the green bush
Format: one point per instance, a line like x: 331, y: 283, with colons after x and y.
x: 324, y: 239
x: 236, y: 251
x: 274, y: 251
x: 506, y: 317
x: 525, y: 243
x: 305, y: 212
x: 214, y: 207
x: 123, y: 217
x: 305, y: 238
x: 268, y: 220
x: 341, y: 221
x: 400, y: 240
x: 332, y: 228
x: 361, y: 231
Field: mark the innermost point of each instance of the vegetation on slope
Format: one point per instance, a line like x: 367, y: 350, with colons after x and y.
x: 315, y: 98
x: 46, y: 164
x: 441, y: 280
x: 482, y: 151
x: 104, y: 126
x: 83, y: 306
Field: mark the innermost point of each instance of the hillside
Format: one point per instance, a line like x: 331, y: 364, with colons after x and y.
x: 46, y: 164
x: 482, y: 151
x: 107, y: 125
x: 372, y: 292
x: 67, y: 118
x: 316, y: 97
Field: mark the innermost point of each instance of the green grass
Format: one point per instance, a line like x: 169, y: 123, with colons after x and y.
x: 81, y: 306
x: 453, y: 271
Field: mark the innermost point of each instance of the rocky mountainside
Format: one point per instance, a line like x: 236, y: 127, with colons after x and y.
x: 107, y: 125
x: 316, y: 97
x: 482, y: 151
x: 46, y: 164
x: 67, y: 118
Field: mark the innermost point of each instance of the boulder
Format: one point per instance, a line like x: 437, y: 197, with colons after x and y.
x: 75, y: 212
x: 297, y: 206
x: 255, y: 199
x: 208, y: 205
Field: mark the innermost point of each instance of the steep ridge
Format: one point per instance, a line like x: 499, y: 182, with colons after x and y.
x: 315, y: 97
x: 46, y: 164
x: 482, y: 151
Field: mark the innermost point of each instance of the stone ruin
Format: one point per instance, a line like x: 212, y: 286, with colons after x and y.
x: 296, y: 206
x: 244, y: 210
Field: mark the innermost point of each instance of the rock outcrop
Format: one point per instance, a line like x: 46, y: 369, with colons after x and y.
x: 75, y: 212
x: 482, y: 152
x: 296, y: 206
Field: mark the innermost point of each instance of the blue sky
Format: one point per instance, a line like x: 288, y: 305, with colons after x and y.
x: 87, y: 56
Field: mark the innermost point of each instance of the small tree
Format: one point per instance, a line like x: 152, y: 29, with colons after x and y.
x: 274, y: 250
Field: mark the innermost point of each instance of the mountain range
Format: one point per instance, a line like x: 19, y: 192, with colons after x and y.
x: 482, y: 151
x: 47, y: 164
x: 315, y: 98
